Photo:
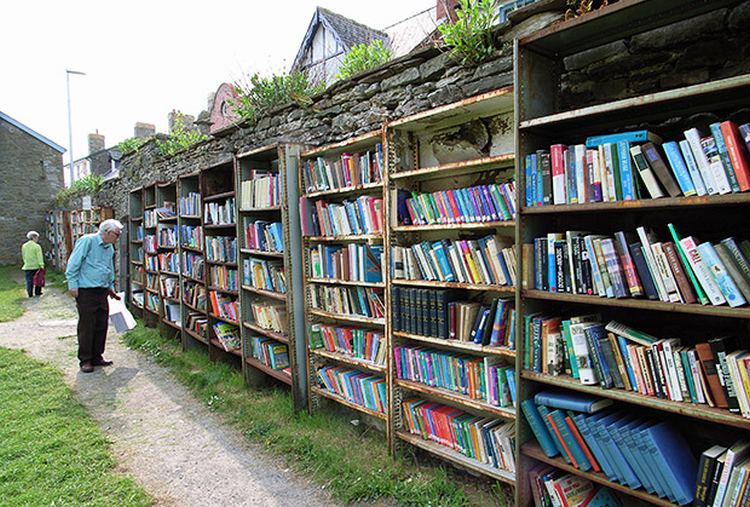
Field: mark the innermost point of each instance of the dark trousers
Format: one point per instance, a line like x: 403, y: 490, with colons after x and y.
x: 30, y: 289
x: 93, y: 319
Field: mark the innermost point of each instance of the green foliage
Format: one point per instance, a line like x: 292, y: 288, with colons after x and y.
x: 350, y: 461
x: 88, y: 185
x: 52, y: 451
x: 180, y: 139
x: 131, y: 144
x: 363, y: 57
x: 263, y: 94
x: 470, y: 37
x: 12, y: 293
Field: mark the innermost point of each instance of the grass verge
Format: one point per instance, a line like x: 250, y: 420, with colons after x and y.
x: 351, y: 462
x: 52, y: 452
x: 11, y: 293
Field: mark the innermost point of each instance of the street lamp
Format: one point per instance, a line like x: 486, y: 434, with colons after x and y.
x: 70, y: 123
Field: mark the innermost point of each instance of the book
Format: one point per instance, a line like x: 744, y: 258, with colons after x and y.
x: 706, y: 467
x: 663, y: 173
x: 571, y: 401
x: 720, y: 275
x: 644, y: 171
x: 633, y: 136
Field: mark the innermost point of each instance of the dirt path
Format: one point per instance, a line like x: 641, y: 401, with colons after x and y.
x: 180, y: 452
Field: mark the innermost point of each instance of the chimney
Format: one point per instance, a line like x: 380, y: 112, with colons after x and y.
x: 178, y: 118
x: 446, y: 9
x: 96, y: 142
x: 144, y: 130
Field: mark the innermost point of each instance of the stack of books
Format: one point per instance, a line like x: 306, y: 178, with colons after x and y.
x: 269, y: 316
x: 215, y: 213
x: 263, y: 274
x: 166, y: 211
x: 262, y: 191
x: 358, y: 343
x: 228, y: 335
x: 190, y: 205
x: 362, y: 301
x: 361, y: 216
x: 197, y: 323
x: 222, y: 277
x: 352, y: 262
x: 350, y: 170
x: 273, y: 354
x: 553, y: 487
x: 224, y: 306
x: 191, y: 236
x: 263, y: 235
x: 221, y: 249
x: 360, y: 388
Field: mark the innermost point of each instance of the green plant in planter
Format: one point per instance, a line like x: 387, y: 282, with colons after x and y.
x: 263, y: 94
x: 470, y: 38
x: 363, y: 57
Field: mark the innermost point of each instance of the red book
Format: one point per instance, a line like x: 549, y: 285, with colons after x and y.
x: 562, y: 441
x: 683, y: 284
x: 454, y: 207
x: 557, y: 159
x: 737, y: 153
x: 577, y: 435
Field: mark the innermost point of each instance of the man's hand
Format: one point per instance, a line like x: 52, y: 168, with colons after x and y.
x: 113, y: 295
x: 73, y: 292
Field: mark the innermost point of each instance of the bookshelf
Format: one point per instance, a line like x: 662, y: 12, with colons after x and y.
x: 57, y: 224
x: 86, y: 221
x: 167, y: 243
x: 345, y: 176
x: 149, y: 222
x: 544, y: 118
x: 269, y: 266
x: 137, y: 272
x: 431, y: 154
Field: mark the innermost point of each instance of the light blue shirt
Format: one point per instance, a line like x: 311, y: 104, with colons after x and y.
x: 91, y: 263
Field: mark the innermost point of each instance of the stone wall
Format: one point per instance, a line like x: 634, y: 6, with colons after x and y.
x: 30, y: 176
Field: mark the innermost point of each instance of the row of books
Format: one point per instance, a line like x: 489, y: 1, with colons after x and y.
x: 223, y: 277
x: 273, y: 354
x: 353, y: 262
x: 150, y: 243
x: 152, y: 302
x: 195, y: 295
x: 679, y: 271
x: 139, y: 233
x: 484, y: 439
x: 360, y: 388
x: 169, y: 262
x: 138, y: 254
x: 638, y: 452
x: 353, y: 342
x: 197, y: 323
x: 263, y: 274
x: 151, y: 262
x: 262, y: 191
x: 361, y: 301
x: 190, y: 205
x: 193, y: 265
x: 220, y: 213
x: 349, y: 170
x: 604, y: 169
x: 614, y: 355
x: 228, y: 335
x: 137, y: 297
x: 486, y: 379
x: 152, y: 281
x: 224, y: 306
x: 724, y: 476
x: 482, y: 203
x: 191, y: 236
x: 172, y: 312
x: 364, y: 215
x: 490, y: 260
x: 170, y: 287
x: 221, y: 248
x: 271, y: 316
x: 551, y: 487
x: 444, y: 314
x: 167, y: 210
x: 167, y: 235
x: 150, y: 219
x: 263, y: 235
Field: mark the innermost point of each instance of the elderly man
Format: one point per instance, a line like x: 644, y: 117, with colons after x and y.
x: 33, y: 261
x: 91, y: 279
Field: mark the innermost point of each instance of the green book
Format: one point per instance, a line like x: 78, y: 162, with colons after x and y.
x: 693, y: 280
x: 615, y: 158
x: 569, y: 348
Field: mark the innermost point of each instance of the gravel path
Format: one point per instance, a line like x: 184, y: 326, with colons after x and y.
x: 180, y: 452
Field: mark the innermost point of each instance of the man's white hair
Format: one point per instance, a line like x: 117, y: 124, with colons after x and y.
x: 110, y: 225
x: 32, y: 235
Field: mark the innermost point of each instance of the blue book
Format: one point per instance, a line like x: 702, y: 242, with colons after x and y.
x: 478, y: 331
x: 643, y: 471
x: 675, y: 459
x: 372, y: 265
x: 623, y: 344
x: 530, y: 180
x: 442, y: 258
x: 648, y: 462
x: 626, y: 471
x: 496, y: 324
x: 720, y: 275
x: 570, y: 441
x: 551, y: 264
x: 593, y: 444
x: 593, y: 422
x: 570, y: 174
x: 680, y: 170
x: 726, y: 162
x: 504, y: 267
x: 627, y: 178
x: 546, y: 442
x: 616, y: 432
x: 543, y: 412
x: 604, y: 497
x: 539, y: 182
x: 633, y: 136
x: 571, y: 401
x: 510, y: 375
x: 692, y: 165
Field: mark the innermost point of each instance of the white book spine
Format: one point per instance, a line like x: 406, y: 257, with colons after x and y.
x: 710, y: 287
x: 603, y: 173
x: 610, y: 174
x: 645, y: 172
x: 666, y: 273
x: 692, y: 166
x: 693, y: 138
x: 581, y: 350
x: 695, y: 371
x: 651, y: 263
x: 581, y: 169
x: 675, y: 390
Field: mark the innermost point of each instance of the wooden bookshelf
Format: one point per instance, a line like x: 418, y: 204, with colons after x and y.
x: 279, y: 161
x: 136, y: 271
x: 543, y: 118
x: 166, y: 198
x: 332, y: 161
x: 419, y: 163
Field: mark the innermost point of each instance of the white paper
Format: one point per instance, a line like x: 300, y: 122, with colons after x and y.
x: 119, y: 315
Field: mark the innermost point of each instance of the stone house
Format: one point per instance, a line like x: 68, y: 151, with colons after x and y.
x: 30, y: 176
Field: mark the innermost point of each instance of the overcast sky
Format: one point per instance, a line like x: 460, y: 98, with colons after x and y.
x: 145, y: 58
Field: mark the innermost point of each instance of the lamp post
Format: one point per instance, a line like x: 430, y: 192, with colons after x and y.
x: 68, y: 72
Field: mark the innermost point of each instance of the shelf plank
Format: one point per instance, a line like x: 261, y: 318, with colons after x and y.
x: 367, y: 187
x: 191, y: 279
x: 191, y: 249
x: 641, y: 204
x: 353, y: 237
x: 351, y: 144
x: 194, y: 308
x: 641, y: 304
x: 172, y: 324
x: 258, y: 210
x: 216, y: 197
x: 191, y: 217
x: 459, y: 399
x: 168, y: 273
x: 352, y: 361
x: 267, y: 293
x: 277, y: 374
x: 702, y: 412
x: 335, y: 281
x: 224, y: 291
x: 270, y: 333
x: 532, y: 450
x: 222, y: 263
x: 504, y: 161
x: 339, y: 399
x: 223, y: 319
x: 458, y: 345
x: 216, y: 343
x: 220, y: 226
x: 197, y: 336
x: 456, y: 457
x: 356, y: 319
x: 473, y: 226
x: 261, y: 253
x: 454, y: 285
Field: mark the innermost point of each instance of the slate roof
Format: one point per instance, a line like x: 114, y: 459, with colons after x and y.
x: 32, y: 133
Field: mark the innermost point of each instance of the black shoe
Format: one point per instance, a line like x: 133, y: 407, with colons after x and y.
x: 102, y: 362
x: 87, y: 368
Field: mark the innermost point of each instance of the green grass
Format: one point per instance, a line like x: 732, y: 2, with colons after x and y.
x: 52, y: 452
x: 351, y: 462
x: 56, y: 279
x: 11, y: 293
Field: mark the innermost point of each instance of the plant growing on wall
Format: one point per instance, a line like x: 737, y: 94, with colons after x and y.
x: 131, y: 144
x: 263, y: 94
x: 470, y: 38
x: 363, y: 57
x: 88, y: 185
x: 180, y: 139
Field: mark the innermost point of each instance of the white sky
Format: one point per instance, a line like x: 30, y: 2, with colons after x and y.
x: 145, y: 58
